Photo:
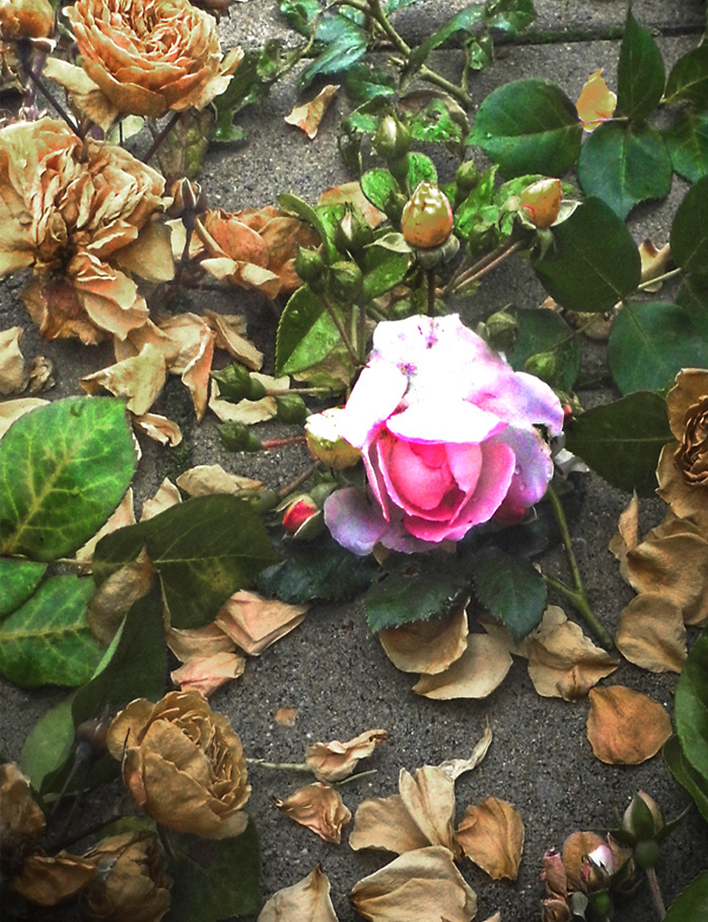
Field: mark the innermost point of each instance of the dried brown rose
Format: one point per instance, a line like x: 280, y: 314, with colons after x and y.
x: 26, y: 18
x: 21, y: 820
x: 47, y: 880
x: 183, y: 764
x: 131, y: 883
x: 82, y: 215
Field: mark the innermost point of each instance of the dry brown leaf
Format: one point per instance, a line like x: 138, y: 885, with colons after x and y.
x: 596, y: 102
x: 194, y: 643
x: 13, y: 375
x: 627, y: 536
x: 319, y: 807
x: 285, y: 717
x: 159, y: 428
x: 651, y: 633
x: 334, y: 761
x: 205, y: 479
x: 254, y: 623
x: 229, y: 330
x: 480, y: 669
x: 453, y: 768
x: 654, y: 262
x: 46, y: 880
x: 563, y: 662
x: 208, y: 673
x: 123, y: 515
x: 306, y: 901
x: 41, y: 375
x: 21, y: 818
x: 117, y: 593
x: 197, y: 373
x: 10, y: 410
x: 420, y: 886
x: 166, y: 496
x: 309, y: 115
x: 247, y: 412
x: 427, y: 646
x: 491, y: 835
x: 625, y: 727
x: 140, y: 379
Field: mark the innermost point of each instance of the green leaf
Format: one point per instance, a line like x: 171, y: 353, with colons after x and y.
x: 306, y: 333
x: 383, y: 269
x: 393, y: 5
x: 204, y: 550
x: 688, y: 80
x: 691, y: 905
x: 650, y: 343
x: 420, y: 169
x: 63, y: 469
x: 47, y: 640
x: 300, y: 14
x: 528, y: 126
x: 509, y: 16
x: 439, y: 121
x: 624, y: 165
x: 49, y: 744
x: 511, y: 589
x: 346, y: 46
x: 693, y: 781
x: 464, y: 20
x: 319, y: 569
x: 380, y: 186
x: 544, y: 332
x: 365, y: 82
x: 689, y: 231
x: 687, y: 143
x: 640, y: 73
x: 594, y: 262
x: 214, y: 878
x: 691, y: 707
x: 18, y: 580
x: 621, y: 441
x: 408, y: 589
x: 693, y: 295
x: 468, y: 215
x: 300, y: 208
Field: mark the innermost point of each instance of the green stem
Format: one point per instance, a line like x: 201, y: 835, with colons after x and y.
x: 575, y: 594
x: 659, y: 279
x: 453, y: 89
x: 655, y: 891
x: 480, y: 268
x: 340, y: 329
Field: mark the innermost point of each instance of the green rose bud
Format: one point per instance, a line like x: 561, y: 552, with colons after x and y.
x: 346, y: 281
x: 392, y: 139
x: 309, y: 265
x: 237, y: 437
x: 290, y: 408
x: 235, y: 383
x: 325, y: 442
x: 353, y: 232
x: 467, y: 176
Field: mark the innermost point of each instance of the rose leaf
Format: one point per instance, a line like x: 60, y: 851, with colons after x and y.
x: 541, y: 333
x: 63, y: 469
x: 640, y: 72
x: 687, y: 143
x: 420, y: 169
x: 383, y: 269
x: 18, y: 580
x: 689, y: 231
x: 695, y: 782
x: 688, y: 80
x: 692, y: 706
x: 306, y: 333
x: 692, y: 904
x: 380, y: 187
x: 511, y: 589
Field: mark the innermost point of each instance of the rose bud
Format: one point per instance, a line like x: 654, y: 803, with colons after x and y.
x: 541, y: 201
x: 326, y: 443
x: 346, y: 280
x: 467, y: 176
x: 238, y: 437
x: 309, y: 265
x: 392, y: 139
x: 291, y: 409
x: 353, y: 232
x: 427, y: 217
x: 299, y: 514
x: 643, y: 819
x: 26, y: 18
x: 235, y: 383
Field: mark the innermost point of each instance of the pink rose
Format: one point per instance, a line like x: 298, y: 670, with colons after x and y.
x: 448, y: 434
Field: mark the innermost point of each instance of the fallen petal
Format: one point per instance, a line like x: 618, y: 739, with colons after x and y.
x: 319, y: 807
x: 481, y: 668
x: 306, y: 901
x: 492, y: 835
x: 334, y: 761
x: 430, y: 647
x: 625, y: 727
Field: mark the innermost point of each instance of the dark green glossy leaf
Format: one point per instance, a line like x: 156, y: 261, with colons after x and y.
x: 300, y: 14
x: 468, y: 215
x: 365, y: 82
x: 687, y: 143
x: 691, y: 905
x: 306, y: 333
x: 464, y: 20
x: 693, y: 781
x: 345, y: 48
x: 378, y: 185
x: 319, y: 569
x: 650, y: 343
x: 63, y: 469
x: 511, y: 589
x: 624, y: 165
x: 528, y: 126
x: 47, y: 640
x: 296, y: 206
x: 544, y: 332
x: 215, y: 878
x: 509, y: 16
x: 393, y: 5
x: 693, y: 295
x: 691, y: 708
x: 18, y: 580
x: 621, y: 441
x: 640, y: 73
x: 383, y: 269
x: 594, y: 262
x: 689, y: 231
x: 688, y: 80
x: 204, y: 550
x: 408, y: 589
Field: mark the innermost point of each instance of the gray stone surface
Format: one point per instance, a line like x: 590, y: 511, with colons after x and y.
x: 330, y: 669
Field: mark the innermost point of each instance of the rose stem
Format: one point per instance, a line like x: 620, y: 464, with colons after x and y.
x: 35, y: 80
x: 160, y: 137
x: 298, y: 481
x: 281, y: 766
x: 281, y: 443
x: 486, y: 264
x: 342, y: 332
x: 164, y: 835
x: 84, y: 833
x: 577, y: 594
x: 655, y: 891
x: 431, y: 292
x: 659, y: 278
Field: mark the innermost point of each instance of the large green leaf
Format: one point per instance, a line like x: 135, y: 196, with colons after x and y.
x: 47, y: 640
x: 383, y: 269
x: 511, y: 589
x: 48, y: 745
x: 621, y: 441
x: 409, y: 589
x: 382, y: 189
x: 624, y: 165
x: 693, y: 295
x: 688, y: 80
x: 306, y: 333
x: 18, y: 580
x: 687, y: 143
x: 689, y: 231
x: 594, y: 262
x: 543, y: 333
x: 528, y: 126
x: 640, y: 73
x: 464, y: 20
x: 346, y: 45
x: 693, y: 781
x: 509, y: 16
x: 214, y: 879
x: 692, y: 904
x: 63, y: 469
x: 650, y: 343
x: 204, y: 550
x: 691, y: 708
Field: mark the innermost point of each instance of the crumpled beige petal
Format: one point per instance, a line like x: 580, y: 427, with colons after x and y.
x: 206, y: 479
x: 198, y: 642
x: 319, y: 807
x: 309, y: 115
x: 651, y: 633
x: 427, y: 646
x: 627, y: 536
x: 480, y: 669
x: 10, y: 410
x: 306, y: 901
x: 384, y: 823
x: 254, y: 623
x: 46, y: 880
x: 140, y: 379
x: 13, y: 374
x: 159, y: 428
x: 453, y: 768
x: 654, y: 261
x: 334, y: 761
x: 167, y: 495
x: 625, y: 727
x: 492, y: 835
x: 420, y: 886
x: 229, y: 330
x: 206, y: 674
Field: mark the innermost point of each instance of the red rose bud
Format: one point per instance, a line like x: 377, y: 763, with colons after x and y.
x: 541, y: 201
x: 427, y: 217
x: 298, y: 512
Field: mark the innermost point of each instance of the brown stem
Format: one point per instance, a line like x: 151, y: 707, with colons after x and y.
x: 37, y: 83
x: 296, y: 483
x: 655, y: 891
x: 431, y: 292
x: 160, y: 137
x: 486, y: 264
x: 281, y: 443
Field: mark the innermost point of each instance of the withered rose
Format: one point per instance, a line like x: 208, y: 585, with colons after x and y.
x: 82, y: 214
x: 183, y: 764
x: 26, y: 18
x: 131, y: 882
x: 146, y: 57
x: 21, y: 820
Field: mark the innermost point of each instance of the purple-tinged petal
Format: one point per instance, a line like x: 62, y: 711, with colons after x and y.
x: 521, y: 399
x: 354, y: 521
x: 430, y: 421
x: 532, y: 473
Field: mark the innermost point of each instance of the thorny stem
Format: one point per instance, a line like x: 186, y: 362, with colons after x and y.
x: 290, y: 488
x: 576, y: 594
x: 655, y: 891
x: 480, y: 268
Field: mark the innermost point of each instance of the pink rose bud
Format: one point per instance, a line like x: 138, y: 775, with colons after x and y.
x: 298, y: 512
x: 542, y: 200
x: 427, y: 217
